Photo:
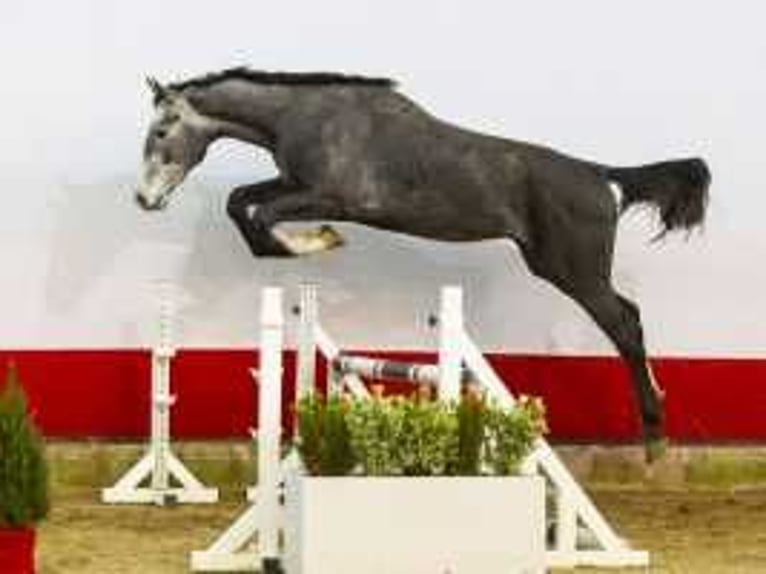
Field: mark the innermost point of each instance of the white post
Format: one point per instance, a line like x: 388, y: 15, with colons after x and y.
x: 270, y: 424
x: 450, y: 339
x: 235, y: 549
x: 306, y: 368
x: 566, y: 523
x: 161, y: 398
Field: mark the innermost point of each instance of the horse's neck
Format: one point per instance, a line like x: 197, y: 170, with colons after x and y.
x: 244, y: 111
x: 244, y: 133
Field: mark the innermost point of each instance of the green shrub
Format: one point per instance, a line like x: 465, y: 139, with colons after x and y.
x: 23, y: 468
x: 427, y: 441
x: 414, y: 436
x: 375, y: 426
x: 511, y: 434
x: 324, y: 442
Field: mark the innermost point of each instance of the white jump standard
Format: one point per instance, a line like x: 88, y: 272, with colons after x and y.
x: 234, y: 550
x: 159, y: 477
x: 459, y: 357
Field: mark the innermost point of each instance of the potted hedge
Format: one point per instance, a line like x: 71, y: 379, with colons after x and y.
x: 413, y: 485
x: 23, y: 479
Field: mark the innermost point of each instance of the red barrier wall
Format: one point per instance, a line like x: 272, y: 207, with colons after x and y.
x: 105, y: 394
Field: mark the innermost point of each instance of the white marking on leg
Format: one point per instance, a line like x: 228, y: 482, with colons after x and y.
x: 617, y: 192
x: 655, y: 385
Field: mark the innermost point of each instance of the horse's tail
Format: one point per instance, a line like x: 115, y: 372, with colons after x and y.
x: 678, y: 189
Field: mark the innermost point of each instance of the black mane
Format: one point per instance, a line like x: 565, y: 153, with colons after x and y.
x: 283, y: 78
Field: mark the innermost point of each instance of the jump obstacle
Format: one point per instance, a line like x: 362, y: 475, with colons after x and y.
x: 159, y: 477
x: 574, y: 514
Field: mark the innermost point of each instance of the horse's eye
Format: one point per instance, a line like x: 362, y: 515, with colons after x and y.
x: 160, y: 133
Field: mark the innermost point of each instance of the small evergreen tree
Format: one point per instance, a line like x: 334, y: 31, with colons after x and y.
x: 23, y: 468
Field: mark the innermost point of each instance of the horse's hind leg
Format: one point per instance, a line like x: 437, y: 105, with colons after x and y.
x: 619, y: 318
x: 633, y: 309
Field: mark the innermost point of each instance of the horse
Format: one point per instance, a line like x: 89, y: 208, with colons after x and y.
x: 354, y: 148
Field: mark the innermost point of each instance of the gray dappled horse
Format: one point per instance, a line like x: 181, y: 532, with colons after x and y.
x: 355, y: 149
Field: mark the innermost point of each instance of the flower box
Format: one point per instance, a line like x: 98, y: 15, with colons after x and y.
x: 415, y: 525
x: 17, y: 550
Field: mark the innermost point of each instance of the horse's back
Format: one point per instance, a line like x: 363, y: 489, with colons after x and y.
x: 394, y: 166
x: 423, y: 176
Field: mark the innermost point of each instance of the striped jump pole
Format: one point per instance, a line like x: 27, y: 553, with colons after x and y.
x: 349, y: 370
x: 372, y: 368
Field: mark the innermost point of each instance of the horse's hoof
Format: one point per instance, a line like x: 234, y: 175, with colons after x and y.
x: 317, y: 240
x: 330, y: 237
x: 655, y: 448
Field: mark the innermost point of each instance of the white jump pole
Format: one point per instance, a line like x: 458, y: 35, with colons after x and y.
x: 270, y: 431
x: 451, y: 328
x: 263, y: 520
x: 306, y: 359
x: 162, y: 400
x: 159, y: 466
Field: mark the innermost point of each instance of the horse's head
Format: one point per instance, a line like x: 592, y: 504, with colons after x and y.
x: 177, y: 140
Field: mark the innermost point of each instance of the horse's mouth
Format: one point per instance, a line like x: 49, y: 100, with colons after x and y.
x: 146, y: 205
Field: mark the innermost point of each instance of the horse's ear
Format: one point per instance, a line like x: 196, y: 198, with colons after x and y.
x: 159, y: 91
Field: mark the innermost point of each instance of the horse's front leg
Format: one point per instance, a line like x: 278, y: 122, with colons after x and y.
x: 256, y: 209
x: 296, y: 207
x: 243, y: 199
x: 243, y: 204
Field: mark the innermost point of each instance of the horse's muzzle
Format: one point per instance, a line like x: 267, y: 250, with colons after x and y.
x: 146, y: 205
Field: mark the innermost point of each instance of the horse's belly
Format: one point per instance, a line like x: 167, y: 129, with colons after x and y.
x: 440, y: 220
x: 423, y: 229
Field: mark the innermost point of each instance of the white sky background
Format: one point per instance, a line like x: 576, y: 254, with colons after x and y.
x: 617, y: 82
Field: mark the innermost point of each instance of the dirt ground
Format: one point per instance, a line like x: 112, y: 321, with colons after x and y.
x: 699, y: 532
